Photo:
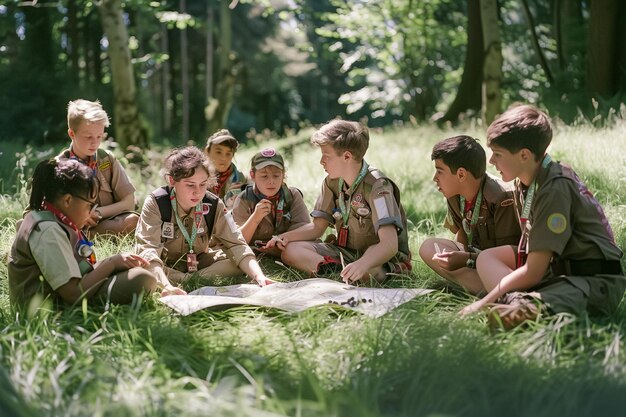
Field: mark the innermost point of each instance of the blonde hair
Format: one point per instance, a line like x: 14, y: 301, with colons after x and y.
x: 343, y: 135
x: 79, y: 111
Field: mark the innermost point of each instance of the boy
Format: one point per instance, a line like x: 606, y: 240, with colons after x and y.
x: 86, y: 121
x: 362, y: 204
x: 480, y: 212
x: 567, y: 259
x: 220, y: 148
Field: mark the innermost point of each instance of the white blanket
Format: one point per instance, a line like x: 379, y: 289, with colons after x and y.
x: 296, y: 296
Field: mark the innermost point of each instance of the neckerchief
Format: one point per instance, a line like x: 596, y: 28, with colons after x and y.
x: 522, y: 247
x: 85, y: 247
x: 344, y: 206
x: 222, y: 178
x: 475, y: 207
x: 197, y: 220
x: 91, y: 162
x: 278, y: 204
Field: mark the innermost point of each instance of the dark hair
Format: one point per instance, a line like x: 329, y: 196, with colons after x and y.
x: 53, y: 178
x: 343, y: 135
x: 521, y: 127
x: 461, y: 152
x: 182, y: 163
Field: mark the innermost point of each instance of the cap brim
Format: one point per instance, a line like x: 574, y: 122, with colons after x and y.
x: 268, y: 163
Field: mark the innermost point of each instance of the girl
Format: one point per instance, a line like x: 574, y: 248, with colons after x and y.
x: 268, y: 207
x: 220, y: 148
x: 178, y: 221
x: 50, y: 244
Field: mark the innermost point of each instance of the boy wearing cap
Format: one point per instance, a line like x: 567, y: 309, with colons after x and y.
x: 567, y: 259
x: 361, y: 203
x: 268, y: 207
x: 220, y: 148
x: 481, y: 213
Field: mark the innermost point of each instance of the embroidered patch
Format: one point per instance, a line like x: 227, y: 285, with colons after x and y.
x: 104, y: 165
x: 167, y: 230
x: 381, y: 207
x: 268, y: 152
x: 384, y: 193
x: 205, y: 208
x: 557, y: 223
x: 357, y: 198
x: 362, y: 211
x: 507, y: 202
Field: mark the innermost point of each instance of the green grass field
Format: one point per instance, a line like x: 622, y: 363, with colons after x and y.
x: 418, y: 360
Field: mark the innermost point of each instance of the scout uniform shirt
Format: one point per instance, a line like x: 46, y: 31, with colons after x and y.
x: 497, y: 220
x: 375, y: 202
x: 230, y: 187
x: 294, y: 213
x: 43, y: 246
x: 114, y: 183
x: 565, y: 218
x: 169, y: 247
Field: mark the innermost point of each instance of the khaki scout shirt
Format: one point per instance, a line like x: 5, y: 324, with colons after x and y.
x: 152, y: 246
x: 232, y: 188
x: 566, y: 219
x: 295, y: 213
x: 374, y: 203
x: 114, y: 183
x: 43, y: 247
x: 497, y: 220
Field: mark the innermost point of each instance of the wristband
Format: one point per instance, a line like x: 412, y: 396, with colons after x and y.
x: 470, y: 263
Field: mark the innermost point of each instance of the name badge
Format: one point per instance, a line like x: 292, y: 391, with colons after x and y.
x: 167, y: 231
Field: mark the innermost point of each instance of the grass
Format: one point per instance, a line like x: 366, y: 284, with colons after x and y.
x: 418, y: 360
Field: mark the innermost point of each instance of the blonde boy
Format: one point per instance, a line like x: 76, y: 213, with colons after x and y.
x: 361, y: 203
x: 567, y: 259
x: 86, y: 121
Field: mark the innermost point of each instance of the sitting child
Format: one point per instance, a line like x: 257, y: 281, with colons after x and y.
x: 567, y: 259
x: 86, y: 122
x: 361, y: 203
x: 50, y: 244
x: 177, y: 222
x: 220, y: 148
x: 480, y: 212
x: 268, y: 207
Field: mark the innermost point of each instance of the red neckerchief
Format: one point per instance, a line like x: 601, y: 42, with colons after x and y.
x: 91, y: 162
x: 66, y: 220
x: 469, y: 205
x: 222, y: 178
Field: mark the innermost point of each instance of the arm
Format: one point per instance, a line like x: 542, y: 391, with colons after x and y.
x: 251, y: 267
x: 308, y: 232
x: 374, y: 256
x: 261, y: 209
x: 127, y: 203
x: 523, y: 278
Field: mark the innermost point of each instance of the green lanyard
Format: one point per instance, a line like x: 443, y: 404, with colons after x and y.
x: 344, y: 207
x: 181, y: 226
x: 530, y: 195
x: 475, y: 213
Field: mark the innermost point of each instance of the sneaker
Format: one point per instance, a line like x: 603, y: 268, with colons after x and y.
x: 509, y: 316
x: 328, y: 266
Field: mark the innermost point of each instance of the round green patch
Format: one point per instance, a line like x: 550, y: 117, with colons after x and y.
x: 557, y: 223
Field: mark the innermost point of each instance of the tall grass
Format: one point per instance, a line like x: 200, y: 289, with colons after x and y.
x: 418, y: 360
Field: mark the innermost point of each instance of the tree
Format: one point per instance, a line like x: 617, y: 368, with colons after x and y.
x: 128, y: 126
x: 492, y: 95
x: 602, y: 70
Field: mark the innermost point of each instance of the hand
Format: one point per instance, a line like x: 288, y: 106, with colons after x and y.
x: 92, y: 220
x: 475, y: 307
x: 354, y: 271
x: 126, y: 260
x: 262, y: 209
x: 169, y: 289
x: 451, y: 261
x: 277, y: 241
x: 262, y: 280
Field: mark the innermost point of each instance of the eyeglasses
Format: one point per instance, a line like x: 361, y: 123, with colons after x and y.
x: 92, y: 204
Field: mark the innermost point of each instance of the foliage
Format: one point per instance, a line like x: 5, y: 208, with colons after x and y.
x: 420, y: 359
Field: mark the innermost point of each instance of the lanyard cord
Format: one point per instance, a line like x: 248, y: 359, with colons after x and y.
x: 344, y: 207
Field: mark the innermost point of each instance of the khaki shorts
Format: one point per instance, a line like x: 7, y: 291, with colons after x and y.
x: 399, y: 264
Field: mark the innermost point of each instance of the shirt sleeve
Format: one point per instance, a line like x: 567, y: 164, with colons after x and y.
x: 325, y: 204
x: 53, y: 253
x: 385, y: 209
x: 453, y: 220
x: 120, y: 183
x: 299, y: 212
x: 551, y: 226
x: 225, y: 230
x: 241, y: 210
x: 148, y: 232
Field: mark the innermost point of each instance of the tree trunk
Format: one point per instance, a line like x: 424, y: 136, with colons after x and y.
x: 128, y: 125
x: 184, y: 75
x: 602, y: 47
x: 492, y: 75
x: 209, y: 52
x: 165, y: 82
x: 535, y: 39
x: 568, y: 24
x: 468, y: 96
x: 219, y: 106
x: 73, y: 44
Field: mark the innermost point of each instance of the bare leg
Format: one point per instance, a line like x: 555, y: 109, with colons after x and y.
x: 466, y: 277
x: 493, y: 264
x: 302, y: 256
